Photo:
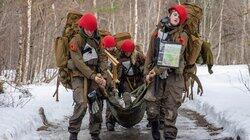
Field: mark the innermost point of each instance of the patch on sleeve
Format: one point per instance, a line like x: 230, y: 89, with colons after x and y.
x: 182, y: 40
x: 73, y: 47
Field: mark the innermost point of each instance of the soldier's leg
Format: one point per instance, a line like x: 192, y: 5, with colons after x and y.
x: 95, y: 120
x: 148, y: 124
x: 162, y: 115
x: 110, y: 119
x: 127, y: 99
x: 172, y: 102
x: 80, y: 107
x: 153, y: 112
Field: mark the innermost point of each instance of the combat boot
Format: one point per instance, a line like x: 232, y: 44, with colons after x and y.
x: 161, y: 125
x: 148, y: 125
x: 95, y: 137
x: 155, y: 130
x: 110, y: 126
x: 73, y: 136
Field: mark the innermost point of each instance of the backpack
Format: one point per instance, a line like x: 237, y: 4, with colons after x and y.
x: 197, y: 48
x: 119, y: 37
x: 61, y: 48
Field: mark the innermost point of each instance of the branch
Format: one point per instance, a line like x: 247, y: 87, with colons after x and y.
x: 46, y: 123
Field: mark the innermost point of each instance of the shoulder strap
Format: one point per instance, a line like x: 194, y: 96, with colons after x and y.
x: 84, y: 42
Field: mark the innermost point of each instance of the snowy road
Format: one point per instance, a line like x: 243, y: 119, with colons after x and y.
x: 191, y: 127
x: 228, y: 109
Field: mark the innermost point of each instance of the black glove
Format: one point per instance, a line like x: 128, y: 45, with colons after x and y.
x: 210, y: 69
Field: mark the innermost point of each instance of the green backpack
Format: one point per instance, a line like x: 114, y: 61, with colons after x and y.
x: 62, y: 50
x: 196, y: 49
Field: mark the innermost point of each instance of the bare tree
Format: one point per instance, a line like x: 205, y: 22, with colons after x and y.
x: 136, y: 21
x: 27, y: 55
x: 19, y: 71
x: 220, y: 31
x: 244, y: 33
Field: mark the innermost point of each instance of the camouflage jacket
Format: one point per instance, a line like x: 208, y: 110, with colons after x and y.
x: 178, y: 36
x: 81, y: 67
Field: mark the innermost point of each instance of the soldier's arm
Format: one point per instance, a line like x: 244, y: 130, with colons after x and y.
x: 77, y: 59
x: 140, y: 61
x: 149, y: 56
x: 183, y: 39
x: 103, y: 63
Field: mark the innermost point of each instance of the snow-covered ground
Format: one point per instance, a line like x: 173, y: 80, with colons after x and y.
x: 225, y: 102
x: 17, y: 121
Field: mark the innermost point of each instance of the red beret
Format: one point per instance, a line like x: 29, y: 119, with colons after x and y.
x: 181, y: 10
x: 88, y: 21
x: 108, y: 42
x: 127, y: 46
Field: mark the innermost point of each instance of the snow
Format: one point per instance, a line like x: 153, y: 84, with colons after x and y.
x: 225, y: 101
x: 16, y: 122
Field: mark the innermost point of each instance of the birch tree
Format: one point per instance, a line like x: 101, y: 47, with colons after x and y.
x: 19, y: 71
x: 94, y: 5
x: 220, y: 31
x: 130, y: 16
x: 244, y: 33
x: 158, y: 11
x: 136, y: 21
x: 27, y: 52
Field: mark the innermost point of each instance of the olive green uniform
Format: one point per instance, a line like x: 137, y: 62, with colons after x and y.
x: 109, y: 117
x: 85, y: 70
x: 128, y: 82
x: 164, y: 94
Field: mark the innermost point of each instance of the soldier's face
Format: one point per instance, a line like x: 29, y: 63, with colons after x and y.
x: 88, y: 32
x: 128, y: 54
x: 174, y: 18
x: 110, y: 49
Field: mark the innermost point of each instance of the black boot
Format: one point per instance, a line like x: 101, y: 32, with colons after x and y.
x: 161, y: 125
x: 155, y: 130
x: 73, y: 136
x: 95, y: 137
x: 148, y: 125
x: 110, y: 126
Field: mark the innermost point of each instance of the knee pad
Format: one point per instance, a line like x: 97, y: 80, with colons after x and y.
x: 152, y: 112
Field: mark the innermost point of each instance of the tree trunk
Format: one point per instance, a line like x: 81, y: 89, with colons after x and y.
x: 244, y: 33
x: 55, y: 20
x: 159, y: 11
x: 130, y: 16
x: 204, y: 18
x: 112, y: 17
x: 10, y: 71
x: 94, y: 4
x: 19, y: 71
x: 41, y: 67
x: 220, y: 31
x: 27, y: 56
x: 148, y: 25
x: 211, y: 4
x: 136, y: 21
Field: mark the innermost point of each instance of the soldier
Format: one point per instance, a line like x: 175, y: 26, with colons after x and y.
x: 167, y: 82
x: 109, y: 43
x: 131, y: 67
x: 130, y: 71
x: 88, y: 64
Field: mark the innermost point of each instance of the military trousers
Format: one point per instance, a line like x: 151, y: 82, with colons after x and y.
x: 81, y: 103
x: 167, y: 99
